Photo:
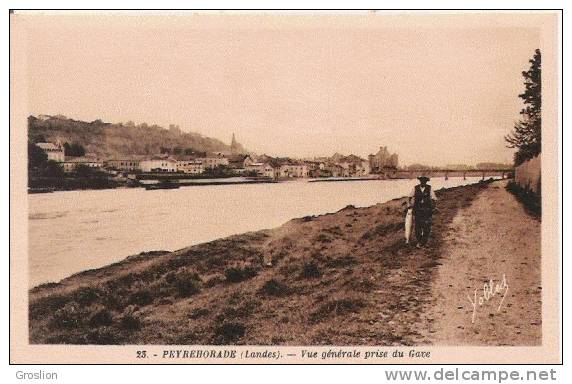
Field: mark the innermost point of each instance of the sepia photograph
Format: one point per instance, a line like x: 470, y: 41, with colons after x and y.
x: 291, y: 187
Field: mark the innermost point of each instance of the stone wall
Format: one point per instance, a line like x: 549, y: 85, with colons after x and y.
x: 527, y: 175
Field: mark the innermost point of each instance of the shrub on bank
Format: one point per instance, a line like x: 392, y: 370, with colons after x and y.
x: 130, y: 322
x: 337, y: 307
x: 186, y: 283
x: 100, y: 318
x: 199, y: 312
x: 238, y: 274
x: 228, y: 333
x: 310, y: 270
x: 274, y: 288
x: 531, y: 201
x: 85, y: 296
x: 70, y: 315
x: 142, y: 297
x: 104, y: 336
x: 47, y: 305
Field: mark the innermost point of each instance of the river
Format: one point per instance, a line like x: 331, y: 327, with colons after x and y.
x: 77, y: 230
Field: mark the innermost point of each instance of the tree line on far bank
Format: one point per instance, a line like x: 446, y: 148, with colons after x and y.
x: 74, y: 149
x: 49, y: 173
x: 39, y: 165
x: 38, y: 159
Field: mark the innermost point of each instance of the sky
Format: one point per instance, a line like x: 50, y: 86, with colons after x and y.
x: 436, y: 89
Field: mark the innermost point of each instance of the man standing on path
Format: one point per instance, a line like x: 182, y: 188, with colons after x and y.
x: 423, y: 199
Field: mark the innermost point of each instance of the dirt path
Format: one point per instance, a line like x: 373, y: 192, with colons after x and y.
x: 491, y: 238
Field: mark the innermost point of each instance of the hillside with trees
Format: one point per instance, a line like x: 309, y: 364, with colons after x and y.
x: 121, y: 139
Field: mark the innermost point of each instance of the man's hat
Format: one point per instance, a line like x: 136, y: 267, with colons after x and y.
x: 423, y: 178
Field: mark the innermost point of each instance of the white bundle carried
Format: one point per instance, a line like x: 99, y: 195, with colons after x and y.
x: 408, y: 224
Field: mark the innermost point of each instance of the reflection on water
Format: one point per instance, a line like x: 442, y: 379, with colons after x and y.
x: 77, y: 230
x: 43, y: 216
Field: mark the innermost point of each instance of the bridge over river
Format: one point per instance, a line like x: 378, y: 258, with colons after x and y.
x: 446, y: 173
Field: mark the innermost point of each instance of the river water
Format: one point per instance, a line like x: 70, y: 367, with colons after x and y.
x: 73, y: 231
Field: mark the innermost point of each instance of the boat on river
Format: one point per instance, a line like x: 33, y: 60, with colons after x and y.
x: 165, y: 184
x: 41, y: 189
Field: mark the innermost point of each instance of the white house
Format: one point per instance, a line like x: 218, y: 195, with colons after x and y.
x: 262, y: 169
x: 71, y: 163
x: 211, y: 162
x: 294, y: 170
x: 158, y: 165
x: 256, y: 167
x: 193, y: 167
x: 55, y: 152
x: 269, y: 171
x: 124, y: 164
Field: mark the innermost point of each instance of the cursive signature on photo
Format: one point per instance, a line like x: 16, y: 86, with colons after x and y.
x: 490, y: 290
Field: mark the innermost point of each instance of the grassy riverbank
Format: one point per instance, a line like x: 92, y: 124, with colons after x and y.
x: 345, y: 278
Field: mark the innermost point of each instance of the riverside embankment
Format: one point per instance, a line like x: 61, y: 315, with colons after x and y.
x: 345, y: 278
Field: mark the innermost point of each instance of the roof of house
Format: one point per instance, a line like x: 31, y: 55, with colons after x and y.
x: 184, y: 157
x: 237, y: 158
x: 49, y: 146
x: 128, y: 158
x: 354, y: 158
x: 160, y: 158
x: 82, y: 159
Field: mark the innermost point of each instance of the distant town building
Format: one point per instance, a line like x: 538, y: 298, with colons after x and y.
x: 261, y: 169
x: 293, y: 170
x: 71, y: 163
x: 190, y: 166
x: 335, y: 170
x: 248, y: 160
x: 158, y: 164
x: 312, y: 165
x: 269, y: 171
x: 54, y: 152
x: 211, y: 162
x: 236, y: 162
x: 124, y: 164
x: 264, y: 158
x: 341, y: 166
x: 315, y: 168
x: 337, y: 158
x: 355, y: 166
x: 382, y: 160
x: 363, y: 169
x: 254, y: 167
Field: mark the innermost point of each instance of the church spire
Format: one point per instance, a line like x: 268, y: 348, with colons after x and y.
x: 233, y: 145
